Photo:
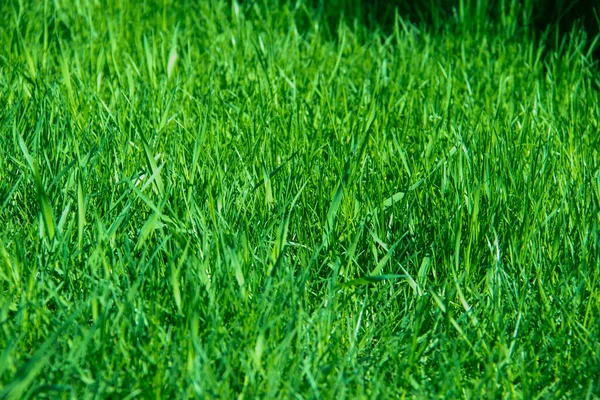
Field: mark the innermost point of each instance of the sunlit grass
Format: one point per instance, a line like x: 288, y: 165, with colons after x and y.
x: 215, y: 199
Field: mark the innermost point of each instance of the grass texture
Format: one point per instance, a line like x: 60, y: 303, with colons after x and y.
x: 219, y: 199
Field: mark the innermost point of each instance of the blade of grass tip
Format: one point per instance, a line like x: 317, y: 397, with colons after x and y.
x: 443, y: 161
x: 263, y: 63
x: 147, y: 229
x: 413, y: 284
x: 390, y: 201
x: 154, y: 168
x: 146, y: 200
x: 42, y: 198
x: 11, y: 192
x: 281, y: 242
x: 28, y: 58
x: 339, y: 56
x: 26, y: 154
x: 352, y: 249
x: 377, y: 270
x: 152, y: 179
x: 149, y: 60
x: 234, y: 260
x: 336, y: 201
x: 66, y: 75
x: 61, y: 174
x: 275, y: 171
x: 172, y: 55
x: 175, y: 274
x: 118, y: 221
x: 268, y: 190
x: 423, y: 270
x: 164, y: 120
x: 45, y: 209
x: 12, y: 269
x: 339, y: 193
x: 592, y: 46
x: 365, y: 139
x: 198, y: 141
x: 63, y: 219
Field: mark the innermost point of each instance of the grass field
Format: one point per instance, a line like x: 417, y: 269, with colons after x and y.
x: 212, y: 199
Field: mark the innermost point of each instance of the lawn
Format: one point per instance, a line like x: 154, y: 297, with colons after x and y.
x: 212, y: 199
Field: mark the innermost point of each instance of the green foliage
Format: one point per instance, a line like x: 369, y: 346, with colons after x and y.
x: 213, y: 199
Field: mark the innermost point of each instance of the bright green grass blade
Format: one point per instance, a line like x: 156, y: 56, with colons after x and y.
x: 25, y: 152
x: 381, y: 264
x: 47, y: 216
x: 80, y: 213
x: 365, y: 280
x: 173, y: 56
x: 154, y: 168
x: 390, y: 201
x: 149, y: 226
x: 336, y: 201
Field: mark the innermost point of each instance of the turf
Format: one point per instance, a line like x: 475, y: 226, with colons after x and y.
x: 213, y: 199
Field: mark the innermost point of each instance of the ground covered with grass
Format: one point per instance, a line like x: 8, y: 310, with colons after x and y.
x: 217, y: 200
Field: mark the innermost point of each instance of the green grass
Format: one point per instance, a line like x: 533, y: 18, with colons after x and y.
x: 222, y: 200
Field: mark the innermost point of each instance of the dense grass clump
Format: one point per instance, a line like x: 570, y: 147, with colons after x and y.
x: 217, y: 199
